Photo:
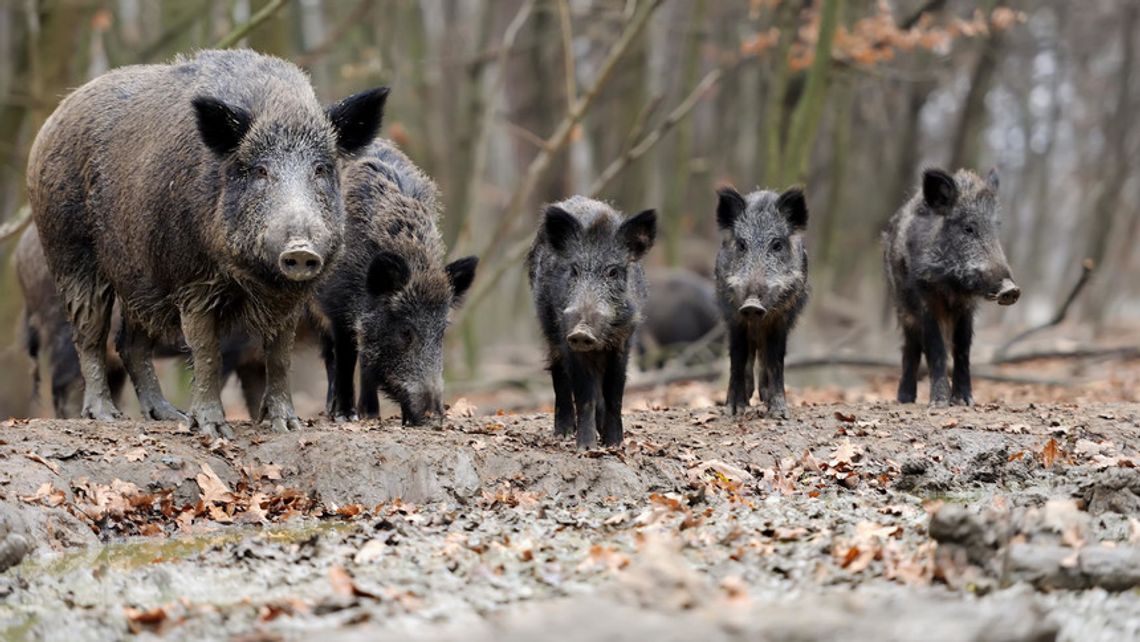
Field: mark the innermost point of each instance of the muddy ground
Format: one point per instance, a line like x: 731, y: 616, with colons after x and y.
x: 865, y: 521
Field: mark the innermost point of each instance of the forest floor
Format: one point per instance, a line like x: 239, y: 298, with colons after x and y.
x: 856, y: 520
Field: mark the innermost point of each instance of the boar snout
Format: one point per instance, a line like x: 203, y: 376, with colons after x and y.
x: 582, y: 339
x: 585, y: 321
x: 422, y: 402
x: 300, y: 261
x: 752, y: 308
x: 1008, y: 293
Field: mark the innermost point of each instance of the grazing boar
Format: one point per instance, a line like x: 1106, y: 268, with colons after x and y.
x: 204, y: 196
x: 681, y: 310
x: 388, y: 296
x: 589, y: 290
x: 942, y: 253
x: 761, y: 282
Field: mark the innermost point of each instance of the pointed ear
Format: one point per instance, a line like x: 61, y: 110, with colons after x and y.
x: 387, y: 273
x: 357, y: 118
x: 461, y: 273
x: 221, y: 126
x: 793, y: 206
x: 992, y: 180
x: 561, y: 228
x: 939, y: 189
x: 729, y: 206
x: 638, y: 233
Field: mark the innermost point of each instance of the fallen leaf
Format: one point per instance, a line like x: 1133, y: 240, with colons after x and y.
x: 845, y: 417
x: 1050, y: 452
x: 214, y: 490
x: 344, y: 586
x: 705, y: 419
x: 46, y: 495
x: 54, y: 467
x: 461, y: 408
x: 1016, y: 456
x: 372, y: 550
x: 135, y: 454
x: 139, y: 620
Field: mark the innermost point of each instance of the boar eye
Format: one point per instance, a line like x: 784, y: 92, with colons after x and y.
x: 777, y: 245
x: 320, y: 170
x: 261, y: 171
x: 969, y: 229
x: 741, y: 245
x: 574, y: 270
x: 614, y: 272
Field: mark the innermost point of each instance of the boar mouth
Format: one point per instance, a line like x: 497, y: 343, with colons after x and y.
x: 1007, y: 293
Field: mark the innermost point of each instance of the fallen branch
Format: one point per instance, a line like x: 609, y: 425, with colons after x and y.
x: 14, y: 226
x: 1125, y: 353
x: 804, y: 363
x: 235, y: 36
x: 1059, y: 316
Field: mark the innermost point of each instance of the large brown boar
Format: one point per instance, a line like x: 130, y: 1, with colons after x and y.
x: 204, y: 195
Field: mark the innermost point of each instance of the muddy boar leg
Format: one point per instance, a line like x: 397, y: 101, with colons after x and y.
x: 277, y: 408
x: 344, y: 388
x: 584, y: 380
x: 762, y: 372
x: 963, y: 335
x: 328, y: 355
x: 369, y: 387
x: 935, y: 348
x: 251, y: 376
x: 89, y: 301
x: 772, y: 377
x: 563, y: 399
x: 206, y: 413
x: 613, y: 390
x: 911, y: 356
x: 739, y: 374
x: 136, y: 349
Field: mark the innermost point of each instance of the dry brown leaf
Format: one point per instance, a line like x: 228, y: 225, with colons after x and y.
x: 135, y: 454
x: 139, y: 620
x: 54, y: 467
x: 461, y: 408
x: 705, y: 419
x: 847, y: 418
x: 46, y: 495
x: 214, y: 490
x: 1050, y: 452
x: 344, y: 586
x: 845, y: 454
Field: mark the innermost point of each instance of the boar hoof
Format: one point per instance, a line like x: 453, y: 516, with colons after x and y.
x: 346, y: 417
x: 563, y: 427
x: 587, y: 441
x: 284, y: 424
x: 163, y: 410
x: 778, y: 412
x: 961, y: 400
x: 939, y: 403
x: 101, y: 410
x: 210, y: 420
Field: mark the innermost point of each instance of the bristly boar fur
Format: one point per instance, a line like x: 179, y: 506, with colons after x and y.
x: 388, y: 296
x: 589, y: 291
x: 204, y: 196
x: 761, y: 282
x: 942, y: 253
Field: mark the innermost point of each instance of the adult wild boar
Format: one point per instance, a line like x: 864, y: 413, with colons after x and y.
x: 761, y: 282
x: 386, y: 300
x: 589, y: 290
x: 204, y: 195
x: 942, y: 253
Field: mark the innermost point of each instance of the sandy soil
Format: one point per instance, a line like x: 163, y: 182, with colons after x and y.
x: 865, y: 521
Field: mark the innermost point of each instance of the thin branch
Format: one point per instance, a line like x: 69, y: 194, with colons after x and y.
x: 642, y: 120
x: 11, y: 228
x: 353, y: 19
x: 525, y: 134
x: 242, y: 31
x: 1086, y: 273
x: 568, y: 52
x: 1126, y: 353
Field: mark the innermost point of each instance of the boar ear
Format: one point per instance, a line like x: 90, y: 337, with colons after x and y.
x: 388, y: 273
x: 992, y: 180
x: 221, y: 126
x: 357, y: 118
x: 561, y: 227
x: 461, y: 272
x: 793, y: 206
x: 730, y: 205
x: 939, y: 189
x: 638, y: 233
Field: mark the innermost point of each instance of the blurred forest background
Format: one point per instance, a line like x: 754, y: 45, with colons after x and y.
x: 654, y: 103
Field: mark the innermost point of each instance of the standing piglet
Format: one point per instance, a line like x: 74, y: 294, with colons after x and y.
x: 589, y: 290
x: 388, y: 296
x: 761, y: 281
x: 942, y: 253
x: 204, y: 195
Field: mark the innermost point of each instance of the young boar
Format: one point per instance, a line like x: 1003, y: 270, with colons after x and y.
x: 589, y: 290
x: 761, y: 282
x: 681, y: 310
x: 204, y: 196
x: 388, y: 296
x: 47, y: 329
x: 942, y: 252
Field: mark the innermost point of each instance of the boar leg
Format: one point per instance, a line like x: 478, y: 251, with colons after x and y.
x: 960, y: 393
x: 206, y: 413
x: 343, y: 386
x: 369, y: 397
x: 251, y: 376
x: 89, y: 300
x: 563, y: 399
x: 740, y: 371
x: 136, y: 348
x: 935, y: 348
x: 277, y: 408
x: 613, y: 391
x: 584, y: 380
x: 775, y: 347
x: 328, y: 356
x: 911, y: 356
x: 762, y: 372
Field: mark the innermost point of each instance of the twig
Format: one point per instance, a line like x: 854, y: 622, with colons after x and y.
x: 1059, y: 316
x: 568, y: 53
x: 1125, y: 353
x: 525, y: 134
x: 641, y: 121
x: 684, y: 356
x: 11, y: 228
x: 353, y: 19
x: 242, y: 31
x: 652, y: 138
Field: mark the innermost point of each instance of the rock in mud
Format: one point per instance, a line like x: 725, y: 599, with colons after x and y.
x: 1115, y: 490
x: 14, y: 543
